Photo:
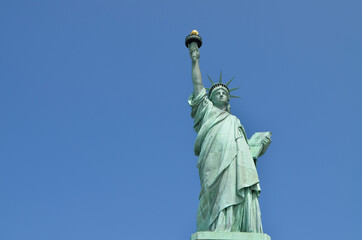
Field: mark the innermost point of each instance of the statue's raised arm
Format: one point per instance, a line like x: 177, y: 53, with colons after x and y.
x: 193, y: 42
x: 195, y: 68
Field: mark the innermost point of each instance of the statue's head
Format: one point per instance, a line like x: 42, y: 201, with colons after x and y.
x: 220, y: 96
x: 219, y: 93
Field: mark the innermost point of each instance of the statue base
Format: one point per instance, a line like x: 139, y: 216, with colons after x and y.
x: 229, y: 236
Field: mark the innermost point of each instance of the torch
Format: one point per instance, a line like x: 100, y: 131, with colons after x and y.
x: 193, y: 39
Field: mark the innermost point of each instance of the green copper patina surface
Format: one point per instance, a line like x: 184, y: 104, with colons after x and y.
x: 229, y: 179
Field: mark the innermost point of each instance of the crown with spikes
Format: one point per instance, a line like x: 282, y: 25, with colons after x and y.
x: 219, y: 85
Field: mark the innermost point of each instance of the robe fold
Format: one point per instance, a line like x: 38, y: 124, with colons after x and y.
x: 229, y: 180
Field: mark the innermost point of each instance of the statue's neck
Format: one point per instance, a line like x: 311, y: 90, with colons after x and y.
x: 224, y: 108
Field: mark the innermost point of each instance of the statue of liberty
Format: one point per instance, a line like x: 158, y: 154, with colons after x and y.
x: 227, y: 165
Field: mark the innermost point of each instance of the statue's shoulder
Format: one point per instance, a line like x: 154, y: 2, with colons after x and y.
x: 235, y: 118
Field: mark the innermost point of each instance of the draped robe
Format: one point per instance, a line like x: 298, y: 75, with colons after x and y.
x: 229, y: 180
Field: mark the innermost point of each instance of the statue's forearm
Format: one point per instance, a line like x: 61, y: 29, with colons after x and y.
x: 196, y: 77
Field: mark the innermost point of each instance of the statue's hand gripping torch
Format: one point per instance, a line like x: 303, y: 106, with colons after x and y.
x: 193, y: 42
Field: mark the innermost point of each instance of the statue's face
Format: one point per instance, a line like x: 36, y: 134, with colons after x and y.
x: 220, y: 97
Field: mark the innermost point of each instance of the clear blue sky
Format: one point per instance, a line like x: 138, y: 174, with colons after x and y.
x: 96, y: 138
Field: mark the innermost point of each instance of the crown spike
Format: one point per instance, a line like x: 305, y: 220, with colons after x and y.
x: 212, y: 83
x: 220, y: 79
x: 227, y: 84
x: 230, y: 90
x: 234, y: 96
